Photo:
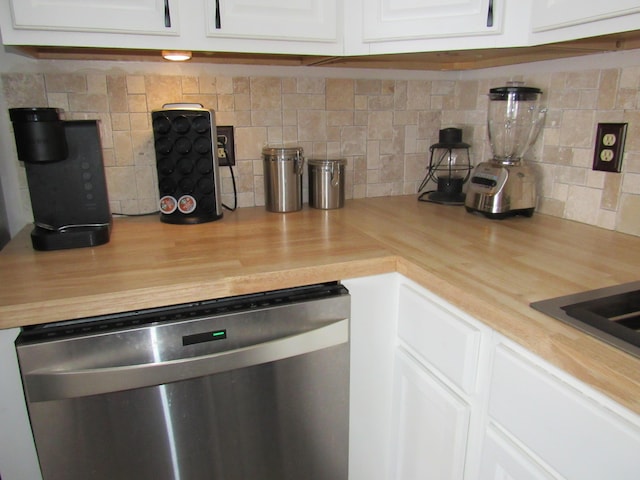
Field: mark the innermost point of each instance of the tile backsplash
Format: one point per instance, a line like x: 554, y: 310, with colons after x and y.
x: 383, y: 127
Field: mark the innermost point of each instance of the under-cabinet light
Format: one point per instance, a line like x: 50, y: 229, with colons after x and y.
x: 176, y: 55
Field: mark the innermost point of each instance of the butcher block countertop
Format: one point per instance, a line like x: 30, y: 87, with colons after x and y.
x: 491, y: 269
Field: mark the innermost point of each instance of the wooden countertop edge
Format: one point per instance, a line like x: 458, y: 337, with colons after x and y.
x: 24, y: 314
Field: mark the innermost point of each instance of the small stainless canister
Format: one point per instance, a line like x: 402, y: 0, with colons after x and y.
x: 326, y: 183
x: 283, y: 167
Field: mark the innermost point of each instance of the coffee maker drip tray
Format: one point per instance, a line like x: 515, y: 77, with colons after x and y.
x: 73, y: 236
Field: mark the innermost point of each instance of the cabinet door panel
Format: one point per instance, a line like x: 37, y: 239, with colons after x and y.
x: 276, y: 19
x: 136, y: 16
x: 431, y: 425
x: 440, y: 337
x: 571, y: 432
x: 551, y: 14
x: 501, y: 460
x: 404, y: 19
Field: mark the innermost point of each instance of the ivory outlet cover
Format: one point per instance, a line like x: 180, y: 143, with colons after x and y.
x: 609, y: 148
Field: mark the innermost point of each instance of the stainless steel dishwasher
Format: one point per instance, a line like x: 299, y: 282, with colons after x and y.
x: 249, y: 388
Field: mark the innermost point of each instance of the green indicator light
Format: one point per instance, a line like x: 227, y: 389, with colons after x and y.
x: 219, y: 334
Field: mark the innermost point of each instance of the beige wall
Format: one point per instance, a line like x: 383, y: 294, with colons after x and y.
x: 383, y: 127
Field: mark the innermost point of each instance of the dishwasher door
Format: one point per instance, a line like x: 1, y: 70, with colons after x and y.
x: 251, y: 388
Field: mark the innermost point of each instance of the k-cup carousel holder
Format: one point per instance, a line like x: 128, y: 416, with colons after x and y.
x: 187, y: 165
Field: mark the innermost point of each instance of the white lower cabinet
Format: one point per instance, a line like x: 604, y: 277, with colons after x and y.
x: 572, y: 430
x: 438, y: 391
x: 430, y: 424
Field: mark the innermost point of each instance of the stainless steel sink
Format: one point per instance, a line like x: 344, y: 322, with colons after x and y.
x: 610, y: 314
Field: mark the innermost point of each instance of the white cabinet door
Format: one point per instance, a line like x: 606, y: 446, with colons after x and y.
x: 568, y: 426
x: 559, y: 20
x: 430, y: 425
x: 549, y: 14
x: 502, y: 460
x: 136, y: 16
x: 302, y: 20
x: 405, y: 19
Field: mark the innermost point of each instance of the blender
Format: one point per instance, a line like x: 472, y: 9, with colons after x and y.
x: 505, y: 185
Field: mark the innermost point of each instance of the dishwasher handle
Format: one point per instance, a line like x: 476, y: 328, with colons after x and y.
x: 50, y: 384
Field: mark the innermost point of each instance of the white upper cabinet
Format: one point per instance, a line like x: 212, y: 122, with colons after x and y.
x: 251, y: 26
x: 558, y: 20
x: 134, y: 16
x: 404, y: 19
x: 403, y: 26
x: 274, y: 19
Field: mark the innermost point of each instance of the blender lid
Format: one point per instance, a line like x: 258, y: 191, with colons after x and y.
x: 514, y: 92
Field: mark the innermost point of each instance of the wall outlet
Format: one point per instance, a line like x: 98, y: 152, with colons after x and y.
x: 610, y: 138
x: 226, y: 146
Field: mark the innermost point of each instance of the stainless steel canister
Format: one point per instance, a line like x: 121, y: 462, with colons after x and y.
x: 283, y: 168
x: 326, y: 183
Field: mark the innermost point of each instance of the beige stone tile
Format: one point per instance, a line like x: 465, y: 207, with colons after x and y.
x: 190, y: 85
x: 65, y: 82
x: 120, y: 122
x: 266, y: 118
x: 577, y: 128
x: 611, y: 191
x: 143, y: 148
x: 140, y: 121
x: 249, y: 142
x: 135, y: 84
x: 368, y: 87
x: 380, y: 125
x: 97, y: 84
x: 311, y: 85
x: 207, y: 84
x: 58, y: 100
x: 266, y: 93
x: 224, y: 85
x: 340, y: 94
x: 443, y: 87
x: 564, y: 99
x: 123, y: 148
x: 628, y: 215
x: 208, y: 101
x: 418, y: 94
x: 121, y: 183
x: 24, y: 90
x: 296, y: 101
x: 339, y: 118
x: 608, y: 89
x: 550, y: 206
x: 630, y: 77
x: 161, y: 90
x: 626, y: 99
x: 226, y: 103
x: 466, y: 95
x: 241, y: 85
x: 312, y: 125
x: 117, y: 93
x: 353, y: 141
x: 82, y: 102
x: 583, y: 204
x: 372, y: 154
x: 361, y: 102
x: 137, y: 103
x: 631, y: 183
x: 583, y: 79
x: 380, y: 102
x: 242, y: 102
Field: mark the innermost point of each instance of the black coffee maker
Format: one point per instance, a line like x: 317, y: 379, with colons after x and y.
x: 65, y: 174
